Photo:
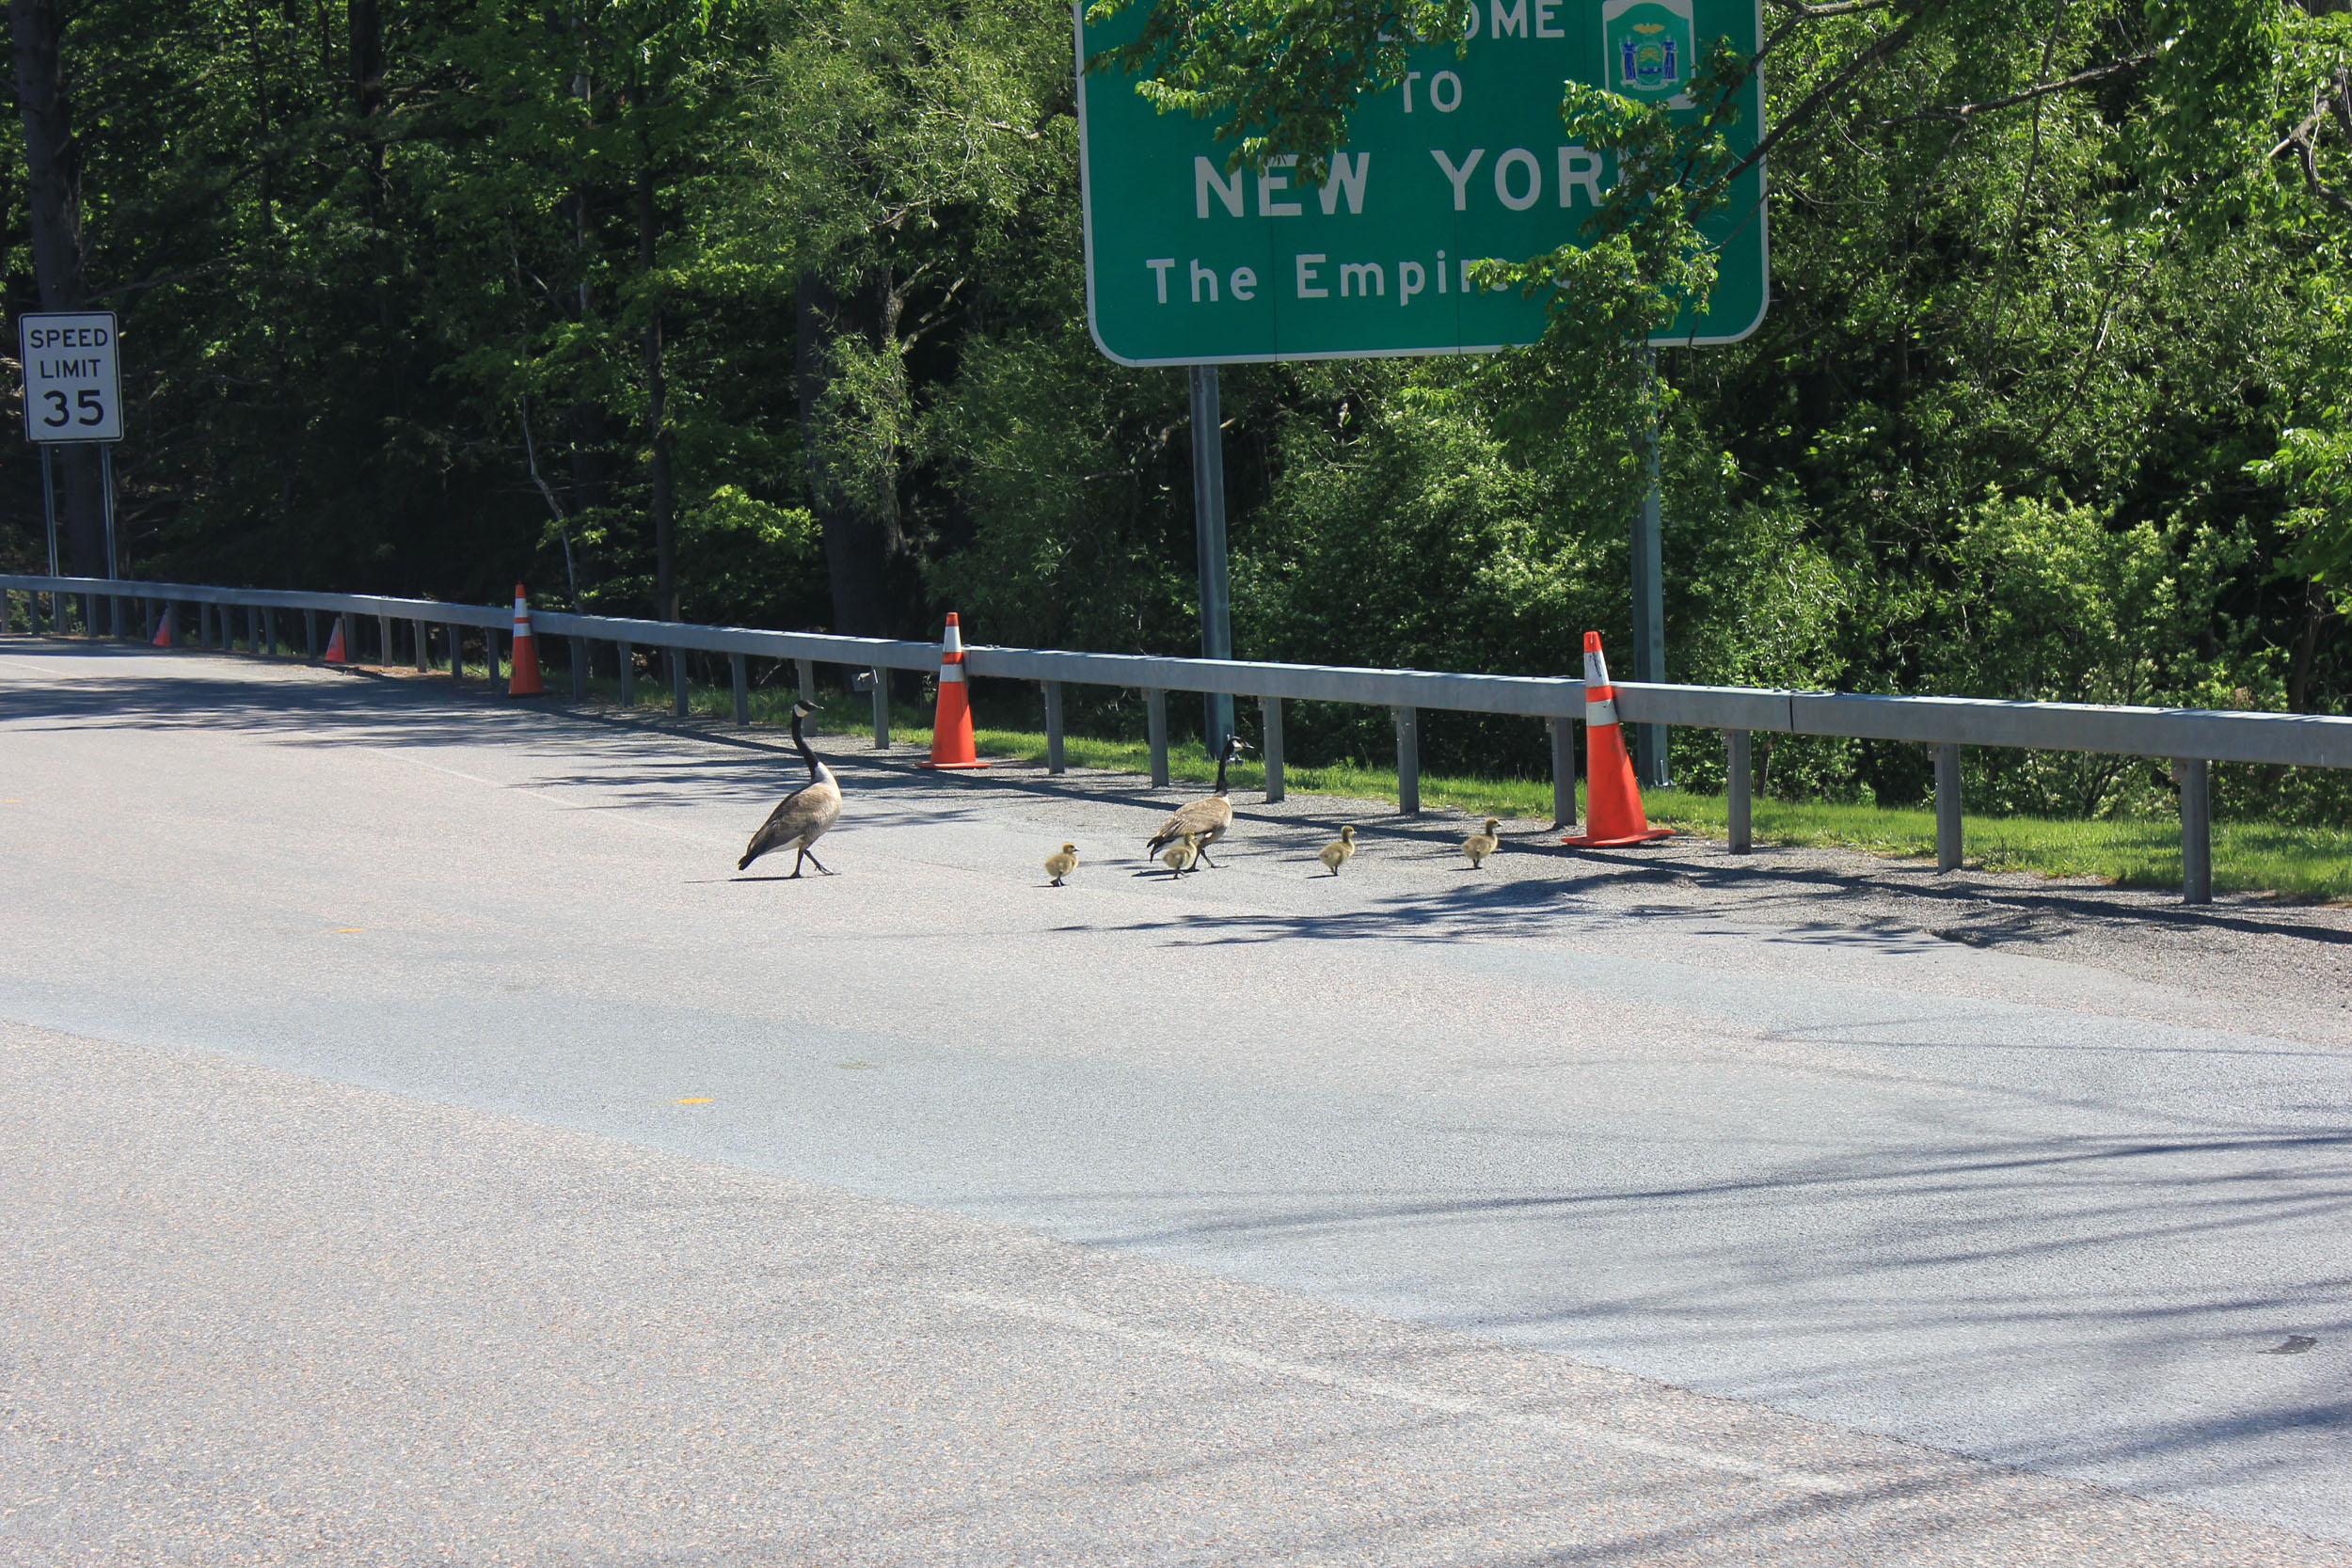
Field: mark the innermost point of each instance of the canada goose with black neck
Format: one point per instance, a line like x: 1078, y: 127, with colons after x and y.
x: 803, y: 816
x: 1205, y: 819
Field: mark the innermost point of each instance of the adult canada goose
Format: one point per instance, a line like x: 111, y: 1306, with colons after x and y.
x: 1180, y: 854
x: 1205, y: 819
x: 803, y: 816
x: 1062, y: 865
x: 1337, y: 854
x: 1483, y: 843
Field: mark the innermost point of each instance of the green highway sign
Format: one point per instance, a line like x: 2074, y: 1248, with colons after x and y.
x: 1464, y: 161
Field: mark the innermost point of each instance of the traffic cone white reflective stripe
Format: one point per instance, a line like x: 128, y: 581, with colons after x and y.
x: 1601, y: 698
x: 525, y: 681
x: 1613, y: 798
x: 952, y: 746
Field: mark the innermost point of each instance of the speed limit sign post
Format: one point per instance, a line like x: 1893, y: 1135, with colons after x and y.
x: 73, y: 393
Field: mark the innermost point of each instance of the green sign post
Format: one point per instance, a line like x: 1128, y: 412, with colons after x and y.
x: 1464, y: 161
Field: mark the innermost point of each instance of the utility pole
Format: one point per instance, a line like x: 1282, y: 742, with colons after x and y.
x: 1208, y: 525
x: 1649, y: 585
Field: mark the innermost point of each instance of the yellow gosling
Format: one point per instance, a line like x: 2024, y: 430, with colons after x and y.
x: 1339, y: 853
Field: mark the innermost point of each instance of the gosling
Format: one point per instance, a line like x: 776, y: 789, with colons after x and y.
x: 1178, y: 856
x: 1060, y: 865
x: 1339, y: 854
x: 1480, y: 844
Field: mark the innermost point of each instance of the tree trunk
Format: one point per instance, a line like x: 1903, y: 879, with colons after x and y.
x: 657, y: 396
x: 52, y: 166
x: 2316, y: 614
x: 862, y: 547
x: 366, y: 25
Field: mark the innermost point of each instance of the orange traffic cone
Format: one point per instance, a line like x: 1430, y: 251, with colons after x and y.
x: 952, y: 729
x: 525, y: 659
x: 1613, y: 800
x: 335, y: 654
x: 162, y: 630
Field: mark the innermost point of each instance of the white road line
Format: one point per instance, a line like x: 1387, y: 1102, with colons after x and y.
x: 1370, y: 1387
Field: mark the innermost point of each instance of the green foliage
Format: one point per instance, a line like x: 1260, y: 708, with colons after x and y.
x: 2050, y: 402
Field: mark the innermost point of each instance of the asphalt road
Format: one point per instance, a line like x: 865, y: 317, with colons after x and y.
x: 415, y: 1131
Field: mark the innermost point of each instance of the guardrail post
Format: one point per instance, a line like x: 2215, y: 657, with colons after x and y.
x: 2195, y: 776
x: 1270, y: 721
x: 383, y: 639
x: 1738, y: 791
x: 1053, y: 726
x: 677, y: 683
x: 1563, y: 769
x: 1156, y: 726
x: 1947, y: 806
x: 456, y: 651
x: 309, y: 634
x: 808, y: 678
x: 882, y: 708
x: 742, y: 679
x: 423, y: 639
x: 490, y: 655
x: 626, y: 654
x: 269, y: 630
x: 1407, y: 760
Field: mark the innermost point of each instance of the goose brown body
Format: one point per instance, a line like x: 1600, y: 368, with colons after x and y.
x: 801, y: 817
x: 1483, y: 843
x: 1203, y: 820
x: 1061, y: 864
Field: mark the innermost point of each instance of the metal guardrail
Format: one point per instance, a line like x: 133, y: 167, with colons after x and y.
x: 2192, y: 740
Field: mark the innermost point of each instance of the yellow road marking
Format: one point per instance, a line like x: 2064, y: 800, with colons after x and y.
x: 698, y: 1100
x: 345, y: 930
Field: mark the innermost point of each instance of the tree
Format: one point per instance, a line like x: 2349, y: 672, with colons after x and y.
x: 52, y: 164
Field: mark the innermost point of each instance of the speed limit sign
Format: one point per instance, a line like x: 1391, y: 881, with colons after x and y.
x: 73, y: 376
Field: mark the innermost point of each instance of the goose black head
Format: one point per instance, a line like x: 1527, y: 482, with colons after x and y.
x: 804, y: 708
x: 1234, y: 747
